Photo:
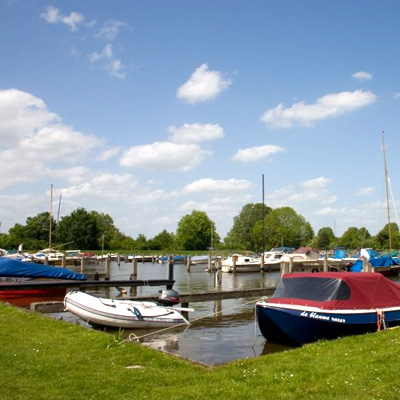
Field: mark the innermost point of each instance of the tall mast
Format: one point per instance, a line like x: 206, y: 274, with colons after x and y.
x: 387, y: 192
x: 51, y: 212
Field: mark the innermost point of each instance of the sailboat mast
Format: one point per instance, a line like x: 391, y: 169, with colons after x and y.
x: 387, y: 192
x: 51, y: 212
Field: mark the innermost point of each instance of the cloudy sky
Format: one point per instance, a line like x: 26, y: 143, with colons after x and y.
x: 147, y: 110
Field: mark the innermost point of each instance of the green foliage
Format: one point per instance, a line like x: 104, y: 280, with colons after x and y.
x: 354, y: 238
x: 194, y: 232
x: 242, y: 235
x: 382, y: 237
x: 283, y: 226
x: 80, y: 230
x: 325, y: 239
x: 163, y: 241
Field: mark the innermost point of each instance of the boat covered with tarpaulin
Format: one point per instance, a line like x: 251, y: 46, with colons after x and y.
x: 307, y: 307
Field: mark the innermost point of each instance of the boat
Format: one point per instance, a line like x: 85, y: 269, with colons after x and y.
x: 240, y: 263
x: 49, y: 256
x: 327, y: 305
x: 122, y: 313
x: 15, y: 271
x: 273, y: 258
x: 303, y: 257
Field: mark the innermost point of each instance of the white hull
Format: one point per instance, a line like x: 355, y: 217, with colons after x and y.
x: 126, y: 314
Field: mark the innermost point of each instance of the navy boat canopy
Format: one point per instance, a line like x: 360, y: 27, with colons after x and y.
x: 16, y: 268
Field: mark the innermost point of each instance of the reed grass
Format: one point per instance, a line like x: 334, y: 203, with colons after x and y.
x: 43, y: 358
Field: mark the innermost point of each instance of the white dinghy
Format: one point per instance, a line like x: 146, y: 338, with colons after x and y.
x: 128, y: 314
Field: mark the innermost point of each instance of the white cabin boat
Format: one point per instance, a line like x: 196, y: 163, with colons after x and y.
x: 241, y: 263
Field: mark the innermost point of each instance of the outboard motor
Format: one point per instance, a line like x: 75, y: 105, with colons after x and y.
x: 168, y: 297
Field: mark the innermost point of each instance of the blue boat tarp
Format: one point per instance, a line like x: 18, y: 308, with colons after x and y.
x: 19, y: 269
x: 385, y: 261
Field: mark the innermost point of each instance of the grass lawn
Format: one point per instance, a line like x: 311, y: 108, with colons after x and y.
x: 42, y: 358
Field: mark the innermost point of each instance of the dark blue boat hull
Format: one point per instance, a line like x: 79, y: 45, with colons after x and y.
x: 297, y: 327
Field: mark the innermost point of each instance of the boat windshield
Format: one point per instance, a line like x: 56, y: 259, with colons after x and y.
x: 309, y: 288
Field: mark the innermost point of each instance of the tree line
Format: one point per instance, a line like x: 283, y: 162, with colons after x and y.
x: 256, y: 228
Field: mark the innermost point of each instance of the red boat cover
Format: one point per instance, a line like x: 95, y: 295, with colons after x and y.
x: 338, y: 290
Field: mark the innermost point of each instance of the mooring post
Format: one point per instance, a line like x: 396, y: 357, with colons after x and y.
x: 188, y: 264
x: 170, y: 270
x: 63, y: 261
x: 290, y: 264
x: 234, y: 264
x: 118, y: 259
x: 284, y: 268
x: 325, y: 263
x: 108, y: 266
x: 134, y: 269
x: 46, y: 260
x: 262, y: 263
x: 218, y: 274
x: 82, y: 264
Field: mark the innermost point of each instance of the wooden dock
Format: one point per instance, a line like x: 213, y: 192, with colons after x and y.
x: 185, y: 299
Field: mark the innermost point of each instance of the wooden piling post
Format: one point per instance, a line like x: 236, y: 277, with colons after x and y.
x: 290, y: 265
x: 262, y: 263
x: 134, y: 269
x: 46, y: 260
x: 325, y: 263
x: 170, y: 270
x: 284, y: 268
x: 118, y: 259
x: 188, y: 264
x: 234, y: 264
x: 82, y: 264
x: 63, y: 261
x: 108, y: 266
x: 218, y: 274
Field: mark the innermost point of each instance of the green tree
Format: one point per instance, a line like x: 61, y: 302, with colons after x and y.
x: 354, y: 238
x: 80, y: 230
x: 283, y: 226
x: 242, y: 235
x: 382, y: 237
x: 141, y: 242
x: 325, y: 239
x: 195, y: 230
x: 163, y: 241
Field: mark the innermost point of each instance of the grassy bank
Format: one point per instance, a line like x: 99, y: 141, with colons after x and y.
x: 41, y: 358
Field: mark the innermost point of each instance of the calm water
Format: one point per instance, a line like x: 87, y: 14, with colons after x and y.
x: 220, y: 331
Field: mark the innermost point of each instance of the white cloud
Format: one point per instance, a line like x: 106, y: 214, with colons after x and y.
x: 21, y: 114
x: 53, y: 16
x: 110, y: 30
x: 214, y: 186
x: 109, y: 153
x: 195, y: 133
x: 365, y: 191
x: 164, y: 156
x: 362, y: 76
x: 396, y: 95
x: 328, y: 106
x: 32, y: 139
x: 312, y: 192
x: 113, y: 65
x: 59, y: 142
x: 256, y: 153
x: 317, y: 183
x: 203, y: 85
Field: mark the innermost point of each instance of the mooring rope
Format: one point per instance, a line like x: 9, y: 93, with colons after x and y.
x: 133, y: 336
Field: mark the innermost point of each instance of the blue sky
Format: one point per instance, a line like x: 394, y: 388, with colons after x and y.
x: 147, y: 110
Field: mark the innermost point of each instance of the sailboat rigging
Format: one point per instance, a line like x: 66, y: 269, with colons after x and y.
x: 387, y: 192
